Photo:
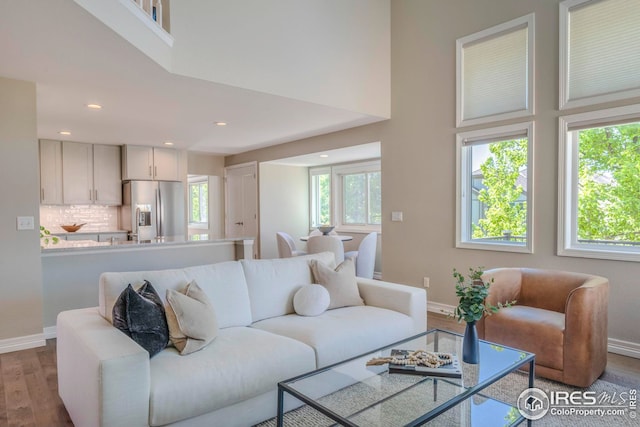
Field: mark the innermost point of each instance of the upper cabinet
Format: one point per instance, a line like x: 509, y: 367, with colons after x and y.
x: 150, y: 163
x: 107, y: 185
x: 75, y: 173
x: 50, y: 172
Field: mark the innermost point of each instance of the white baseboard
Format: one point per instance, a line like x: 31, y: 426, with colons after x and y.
x: 377, y: 275
x: 50, y: 332
x: 625, y: 348
x: 21, y: 343
x: 436, y: 307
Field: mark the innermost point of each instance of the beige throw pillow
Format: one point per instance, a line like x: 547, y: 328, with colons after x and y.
x: 191, y: 319
x: 341, y: 283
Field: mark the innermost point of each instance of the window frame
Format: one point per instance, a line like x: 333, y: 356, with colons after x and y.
x: 464, y: 179
x: 567, y: 244
x: 315, y: 171
x: 528, y: 22
x: 336, y: 203
x: 197, y: 180
x: 564, y: 101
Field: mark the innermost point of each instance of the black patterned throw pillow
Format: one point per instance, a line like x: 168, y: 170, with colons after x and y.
x: 140, y: 314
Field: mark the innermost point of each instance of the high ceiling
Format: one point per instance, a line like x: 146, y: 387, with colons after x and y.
x: 75, y: 60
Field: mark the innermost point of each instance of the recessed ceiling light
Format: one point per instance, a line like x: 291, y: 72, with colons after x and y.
x: 324, y: 156
x: 168, y: 143
x: 221, y: 123
x: 64, y: 132
x: 94, y: 106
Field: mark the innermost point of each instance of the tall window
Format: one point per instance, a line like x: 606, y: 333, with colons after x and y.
x: 599, y: 51
x: 320, y: 193
x: 600, y: 200
x: 494, y: 203
x: 198, y: 202
x: 347, y: 196
x: 494, y: 70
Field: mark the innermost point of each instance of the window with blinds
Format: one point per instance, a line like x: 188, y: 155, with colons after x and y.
x: 599, y: 51
x: 495, y: 73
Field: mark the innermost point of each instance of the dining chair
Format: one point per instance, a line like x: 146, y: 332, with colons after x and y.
x: 287, y: 246
x: 365, y: 256
x: 317, y: 244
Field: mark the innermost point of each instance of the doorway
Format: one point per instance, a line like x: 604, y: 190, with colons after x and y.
x: 241, y: 202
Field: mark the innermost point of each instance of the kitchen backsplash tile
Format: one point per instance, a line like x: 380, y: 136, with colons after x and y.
x: 97, y: 217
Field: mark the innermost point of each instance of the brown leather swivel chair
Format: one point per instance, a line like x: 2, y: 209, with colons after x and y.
x: 560, y: 316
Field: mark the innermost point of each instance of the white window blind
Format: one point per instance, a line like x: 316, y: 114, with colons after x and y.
x: 495, y: 75
x: 602, y: 51
x: 495, y: 69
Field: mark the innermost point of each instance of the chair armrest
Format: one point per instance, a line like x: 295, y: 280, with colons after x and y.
x: 103, y: 375
x: 586, y: 334
x: 393, y: 296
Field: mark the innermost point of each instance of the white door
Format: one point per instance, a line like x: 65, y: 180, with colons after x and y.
x: 241, y: 201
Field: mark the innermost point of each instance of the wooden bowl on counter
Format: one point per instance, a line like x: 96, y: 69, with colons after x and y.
x: 72, y: 228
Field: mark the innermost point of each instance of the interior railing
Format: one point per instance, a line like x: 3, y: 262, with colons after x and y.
x: 152, y: 8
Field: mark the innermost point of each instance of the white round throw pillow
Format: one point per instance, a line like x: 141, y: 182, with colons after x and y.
x: 311, y: 300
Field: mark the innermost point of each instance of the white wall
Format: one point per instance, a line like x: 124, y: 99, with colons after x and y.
x: 258, y: 45
x: 21, y: 284
x: 284, y: 205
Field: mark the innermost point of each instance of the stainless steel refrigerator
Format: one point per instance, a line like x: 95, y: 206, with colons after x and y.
x: 153, y: 209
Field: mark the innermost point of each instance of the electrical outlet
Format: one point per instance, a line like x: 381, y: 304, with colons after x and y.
x: 425, y: 282
x: 396, y: 216
x: 25, y: 223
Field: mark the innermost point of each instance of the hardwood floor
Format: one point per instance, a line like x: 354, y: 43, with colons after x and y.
x: 29, y: 381
x: 29, y: 389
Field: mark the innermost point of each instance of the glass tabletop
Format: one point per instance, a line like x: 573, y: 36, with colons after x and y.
x: 356, y: 394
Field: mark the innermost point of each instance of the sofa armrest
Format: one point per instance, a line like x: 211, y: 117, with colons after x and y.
x: 586, y: 322
x: 393, y: 296
x: 103, y: 375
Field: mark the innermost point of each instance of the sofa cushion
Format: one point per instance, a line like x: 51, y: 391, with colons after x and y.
x: 311, y: 300
x: 339, y: 334
x: 112, y: 284
x: 272, y: 283
x: 239, y: 364
x: 226, y: 288
x: 141, y: 316
x: 191, y: 319
x: 341, y: 283
x: 223, y: 283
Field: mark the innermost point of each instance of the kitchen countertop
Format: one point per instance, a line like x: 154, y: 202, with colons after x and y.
x: 57, y: 231
x: 70, y: 246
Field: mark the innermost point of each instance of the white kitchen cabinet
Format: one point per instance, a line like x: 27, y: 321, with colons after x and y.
x: 150, y: 163
x: 50, y: 172
x: 117, y: 237
x: 91, y: 174
x: 107, y: 185
x: 83, y: 236
x: 165, y: 164
x: 77, y: 173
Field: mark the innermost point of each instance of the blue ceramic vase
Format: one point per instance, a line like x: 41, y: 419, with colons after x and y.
x: 470, y: 344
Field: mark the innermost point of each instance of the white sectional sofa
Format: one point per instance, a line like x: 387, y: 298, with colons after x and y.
x: 106, y: 379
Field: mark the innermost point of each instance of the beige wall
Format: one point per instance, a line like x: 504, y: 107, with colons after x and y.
x: 284, y: 205
x: 204, y: 164
x: 21, y: 284
x: 418, y: 155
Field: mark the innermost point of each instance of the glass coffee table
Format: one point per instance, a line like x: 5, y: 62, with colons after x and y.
x: 353, y: 394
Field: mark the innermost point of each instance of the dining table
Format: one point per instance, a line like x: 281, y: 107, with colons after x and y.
x: 337, y: 236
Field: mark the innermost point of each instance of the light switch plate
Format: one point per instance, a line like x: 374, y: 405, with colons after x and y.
x: 396, y: 216
x: 25, y: 223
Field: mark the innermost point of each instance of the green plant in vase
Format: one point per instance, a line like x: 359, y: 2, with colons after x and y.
x: 472, y: 292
